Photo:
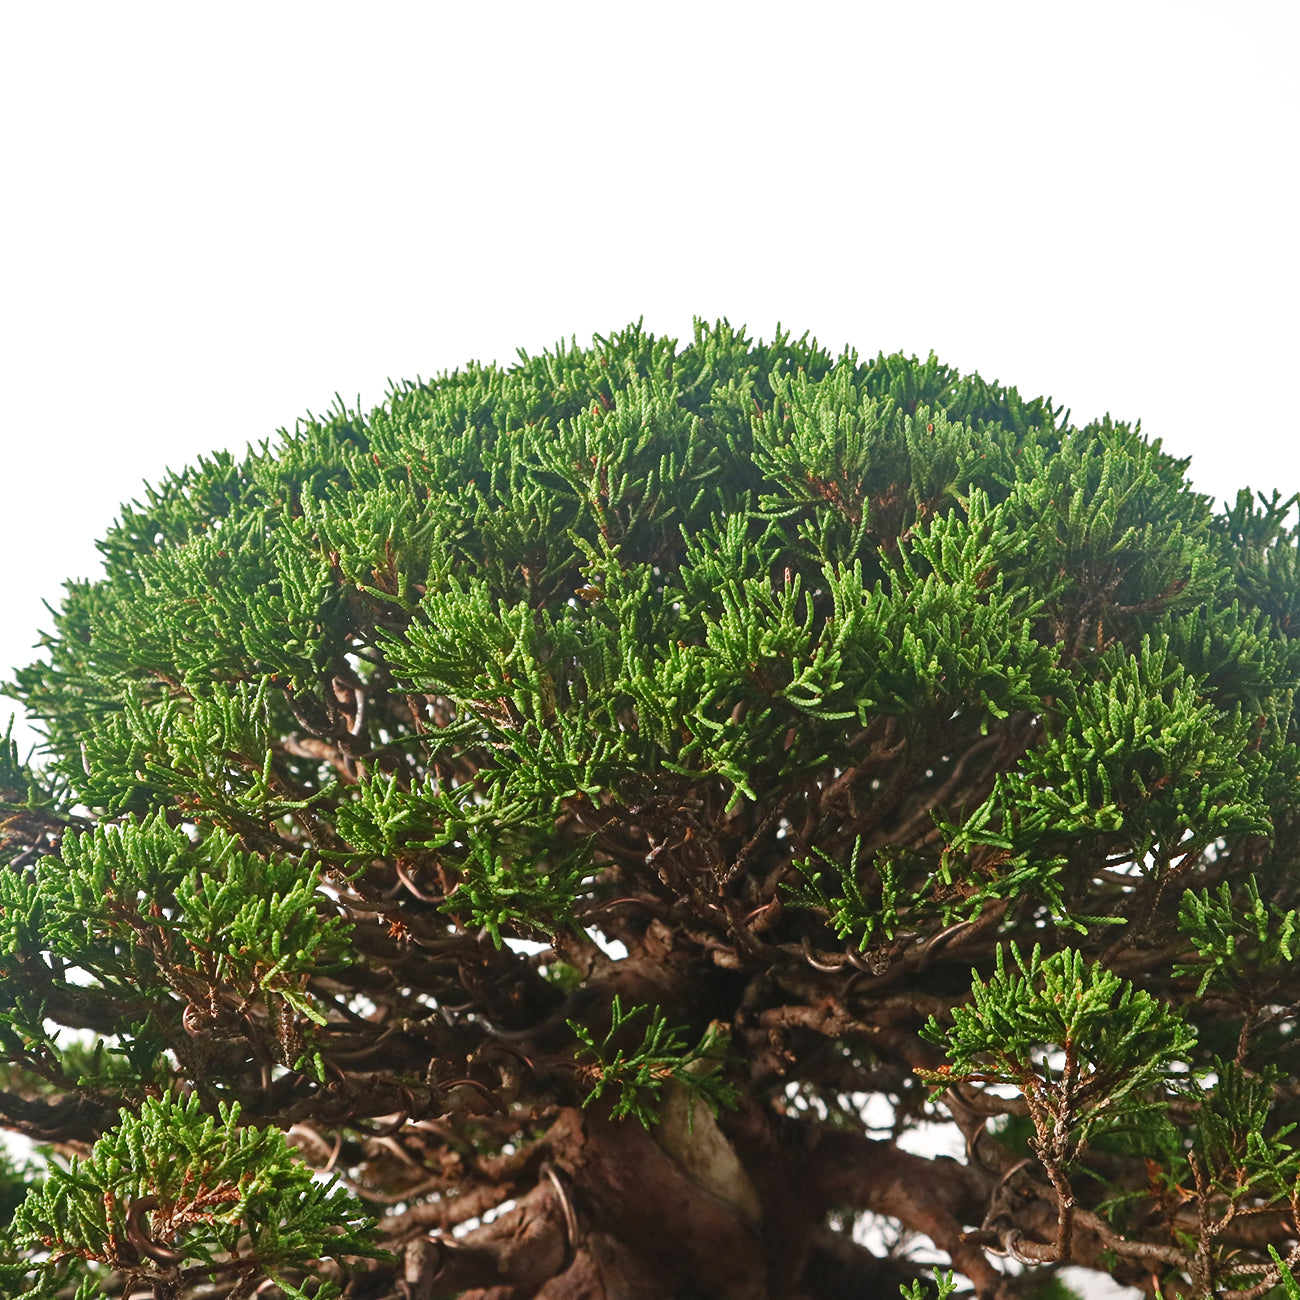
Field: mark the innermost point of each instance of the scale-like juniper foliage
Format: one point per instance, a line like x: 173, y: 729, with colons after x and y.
x: 836, y: 732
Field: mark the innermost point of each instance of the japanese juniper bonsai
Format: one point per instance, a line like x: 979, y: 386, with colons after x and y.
x: 563, y: 834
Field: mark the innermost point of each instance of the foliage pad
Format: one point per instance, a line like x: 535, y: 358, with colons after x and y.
x: 914, y: 744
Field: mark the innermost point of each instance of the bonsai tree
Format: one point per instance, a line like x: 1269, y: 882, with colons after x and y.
x: 575, y: 830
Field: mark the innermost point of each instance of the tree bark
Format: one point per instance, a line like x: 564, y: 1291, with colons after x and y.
x: 686, y: 1211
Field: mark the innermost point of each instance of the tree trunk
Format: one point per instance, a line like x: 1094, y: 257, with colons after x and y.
x: 685, y: 1211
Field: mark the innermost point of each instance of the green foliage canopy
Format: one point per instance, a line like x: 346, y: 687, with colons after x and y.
x: 817, y: 683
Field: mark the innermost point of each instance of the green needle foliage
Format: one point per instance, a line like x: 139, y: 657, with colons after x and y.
x: 512, y: 843
x: 1087, y: 1052
x: 661, y: 1057
x: 225, y: 1197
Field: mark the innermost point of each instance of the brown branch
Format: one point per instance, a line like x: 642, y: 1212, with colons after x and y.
x: 838, y: 1267
x: 70, y: 1119
x: 522, y: 1248
x: 937, y: 1197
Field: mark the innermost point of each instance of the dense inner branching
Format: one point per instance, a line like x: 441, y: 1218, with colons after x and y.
x: 773, y: 697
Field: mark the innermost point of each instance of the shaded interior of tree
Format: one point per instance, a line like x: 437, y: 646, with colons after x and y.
x: 808, y: 688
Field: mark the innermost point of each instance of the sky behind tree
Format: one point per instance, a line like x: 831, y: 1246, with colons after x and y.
x: 220, y: 218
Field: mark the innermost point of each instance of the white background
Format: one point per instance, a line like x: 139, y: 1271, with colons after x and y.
x: 216, y: 217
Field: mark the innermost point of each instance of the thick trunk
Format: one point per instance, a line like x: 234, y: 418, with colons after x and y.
x: 682, y: 1212
x: 617, y: 1215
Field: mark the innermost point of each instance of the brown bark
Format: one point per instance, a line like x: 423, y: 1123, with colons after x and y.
x: 644, y: 1227
x: 687, y: 1212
